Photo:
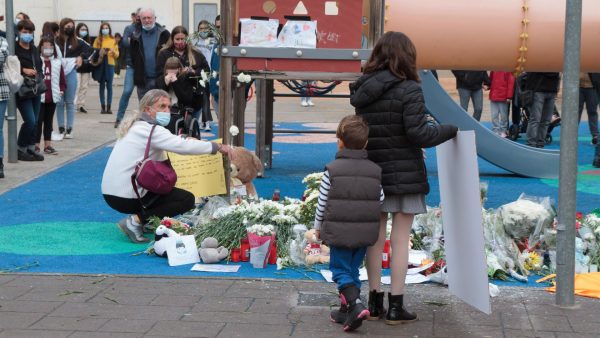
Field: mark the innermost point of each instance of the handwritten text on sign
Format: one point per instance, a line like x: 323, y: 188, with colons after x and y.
x: 201, y: 175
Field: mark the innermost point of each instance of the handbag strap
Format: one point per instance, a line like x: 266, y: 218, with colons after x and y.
x: 147, y: 151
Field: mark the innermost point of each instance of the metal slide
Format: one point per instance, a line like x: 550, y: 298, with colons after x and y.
x: 506, y: 154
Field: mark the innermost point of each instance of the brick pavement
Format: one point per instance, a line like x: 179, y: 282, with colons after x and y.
x: 129, y: 306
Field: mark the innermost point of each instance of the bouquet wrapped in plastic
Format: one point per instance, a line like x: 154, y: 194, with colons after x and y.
x: 527, y: 219
x: 502, y: 252
x: 261, y: 238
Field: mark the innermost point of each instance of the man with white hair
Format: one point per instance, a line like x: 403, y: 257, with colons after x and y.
x: 146, y: 42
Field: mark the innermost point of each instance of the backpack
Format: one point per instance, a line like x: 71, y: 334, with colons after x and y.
x: 12, y: 72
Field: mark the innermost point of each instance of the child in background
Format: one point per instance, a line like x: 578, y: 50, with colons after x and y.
x: 347, y: 217
x: 502, y: 88
x: 54, y: 78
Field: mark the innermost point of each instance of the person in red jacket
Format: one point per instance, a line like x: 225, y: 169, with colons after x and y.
x: 501, y: 92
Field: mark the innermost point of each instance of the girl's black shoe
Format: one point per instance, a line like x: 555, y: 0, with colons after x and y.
x: 376, y: 309
x: 397, y: 314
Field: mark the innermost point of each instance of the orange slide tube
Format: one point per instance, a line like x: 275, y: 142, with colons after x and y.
x: 493, y: 34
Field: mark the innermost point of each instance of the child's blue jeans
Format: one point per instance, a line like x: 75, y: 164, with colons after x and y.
x: 344, y: 264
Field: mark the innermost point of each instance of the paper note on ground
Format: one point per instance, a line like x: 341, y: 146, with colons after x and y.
x: 202, y: 175
x: 215, y: 268
x: 462, y: 220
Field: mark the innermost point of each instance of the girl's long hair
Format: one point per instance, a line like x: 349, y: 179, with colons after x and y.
x: 101, y: 36
x: 394, y: 52
x: 63, y: 37
x: 188, y: 45
x: 78, y: 28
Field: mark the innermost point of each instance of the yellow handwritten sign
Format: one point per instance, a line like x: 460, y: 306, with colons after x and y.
x: 201, y: 175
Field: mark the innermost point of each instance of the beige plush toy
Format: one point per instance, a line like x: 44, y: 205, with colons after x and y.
x: 245, y: 167
x: 316, y: 253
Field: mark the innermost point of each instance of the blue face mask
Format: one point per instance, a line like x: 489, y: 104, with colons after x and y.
x: 26, y: 37
x: 163, y: 118
x: 83, y: 34
x: 105, y: 31
x: 148, y: 27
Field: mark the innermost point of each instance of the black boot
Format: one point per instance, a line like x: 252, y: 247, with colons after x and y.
x: 1, y: 168
x: 397, y: 314
x: 357, y: 312
x: 376, y: 309
x: 108, y: 111
x: 103, y: 109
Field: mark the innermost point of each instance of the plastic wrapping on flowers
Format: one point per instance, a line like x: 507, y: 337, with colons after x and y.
x: 228, y: 223
x: 527, y: 220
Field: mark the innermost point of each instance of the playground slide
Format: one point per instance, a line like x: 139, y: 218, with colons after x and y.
x: 512, y: 156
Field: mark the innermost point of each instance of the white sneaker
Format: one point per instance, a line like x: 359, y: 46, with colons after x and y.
x: 207, y: 126
x: 133, y: 231
x: 310, y: 103
x: 304, y: 103
x: 69, y: 135
x: 57, y: 136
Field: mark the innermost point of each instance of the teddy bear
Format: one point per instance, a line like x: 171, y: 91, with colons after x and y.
x: 245, y: 167
x: 211, y: 252
x: 160, y: 245
x: 315, y: 251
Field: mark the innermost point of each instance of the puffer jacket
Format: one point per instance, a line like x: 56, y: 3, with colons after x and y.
x: 398, y: 128
x: 502, y: 86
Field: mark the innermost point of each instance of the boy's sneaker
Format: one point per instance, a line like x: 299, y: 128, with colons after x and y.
x: 50, y: 150
x: 36, y: 155
x: 134, y: 232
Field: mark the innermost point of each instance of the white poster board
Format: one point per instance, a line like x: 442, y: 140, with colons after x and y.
x: 298, y: 34
x: 463, y: 221
x: 182, y: 250
x: 259, y: 33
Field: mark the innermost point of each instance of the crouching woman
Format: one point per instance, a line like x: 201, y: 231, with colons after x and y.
x: 129, y: 149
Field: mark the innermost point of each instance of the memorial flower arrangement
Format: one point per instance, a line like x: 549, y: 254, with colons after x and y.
x: 261, y: 229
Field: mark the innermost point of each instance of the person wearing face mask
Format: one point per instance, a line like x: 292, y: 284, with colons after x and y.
x: 133, y: 133
x: 54, y: 78
x: 205, y: 41
x: 73, y: 50
x: 190, y: 94
x: 83, y: 75
x: 105, y: 73
x: 146, y: 42
x: 29, y: 107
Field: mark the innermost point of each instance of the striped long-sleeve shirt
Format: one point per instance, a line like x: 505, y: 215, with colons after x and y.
x: 322, y: 200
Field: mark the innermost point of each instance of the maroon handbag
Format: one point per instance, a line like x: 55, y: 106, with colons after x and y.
x: 158, y: 177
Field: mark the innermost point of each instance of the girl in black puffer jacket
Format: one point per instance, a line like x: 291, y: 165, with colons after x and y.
x: 388, y: 96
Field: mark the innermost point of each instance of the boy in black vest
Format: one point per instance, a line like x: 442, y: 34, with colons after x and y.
x: 347, y: 217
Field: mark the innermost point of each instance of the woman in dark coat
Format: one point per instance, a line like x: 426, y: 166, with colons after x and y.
x: 389, y: 97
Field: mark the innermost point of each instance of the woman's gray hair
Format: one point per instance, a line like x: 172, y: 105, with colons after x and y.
x: 149, y: 99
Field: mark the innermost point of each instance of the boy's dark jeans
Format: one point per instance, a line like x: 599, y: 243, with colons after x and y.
x: 344, y: 265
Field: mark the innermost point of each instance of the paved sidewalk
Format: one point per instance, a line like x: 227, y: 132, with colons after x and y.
x: 108, y: 306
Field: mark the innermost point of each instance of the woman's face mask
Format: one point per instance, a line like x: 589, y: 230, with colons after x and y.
x: 48, y: 51
x: 163, y: 118
x: 83, y: 33
x: 180, y: 45
x: 26, y: 37
x: 105, y: 31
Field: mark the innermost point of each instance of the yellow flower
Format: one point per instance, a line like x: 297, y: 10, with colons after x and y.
x: 532, y: 261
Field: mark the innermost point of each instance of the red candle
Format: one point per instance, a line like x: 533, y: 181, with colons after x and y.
x: 385, y: 256
x: 273, y: 254
x: 244, y: 250
x: 235, y: 255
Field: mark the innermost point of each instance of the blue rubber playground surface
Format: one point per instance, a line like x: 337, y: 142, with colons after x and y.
x: 59, y: 222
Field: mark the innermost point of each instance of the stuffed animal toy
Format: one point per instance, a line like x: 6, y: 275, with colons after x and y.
x: 245, y: 167
x: 315, y: 251
x: 160, y: 245
x: 211, y: 252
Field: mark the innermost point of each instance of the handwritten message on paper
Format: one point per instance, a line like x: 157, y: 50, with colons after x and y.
x: 202, y: 175
x: 298, y: 34
x: 259, y: 33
